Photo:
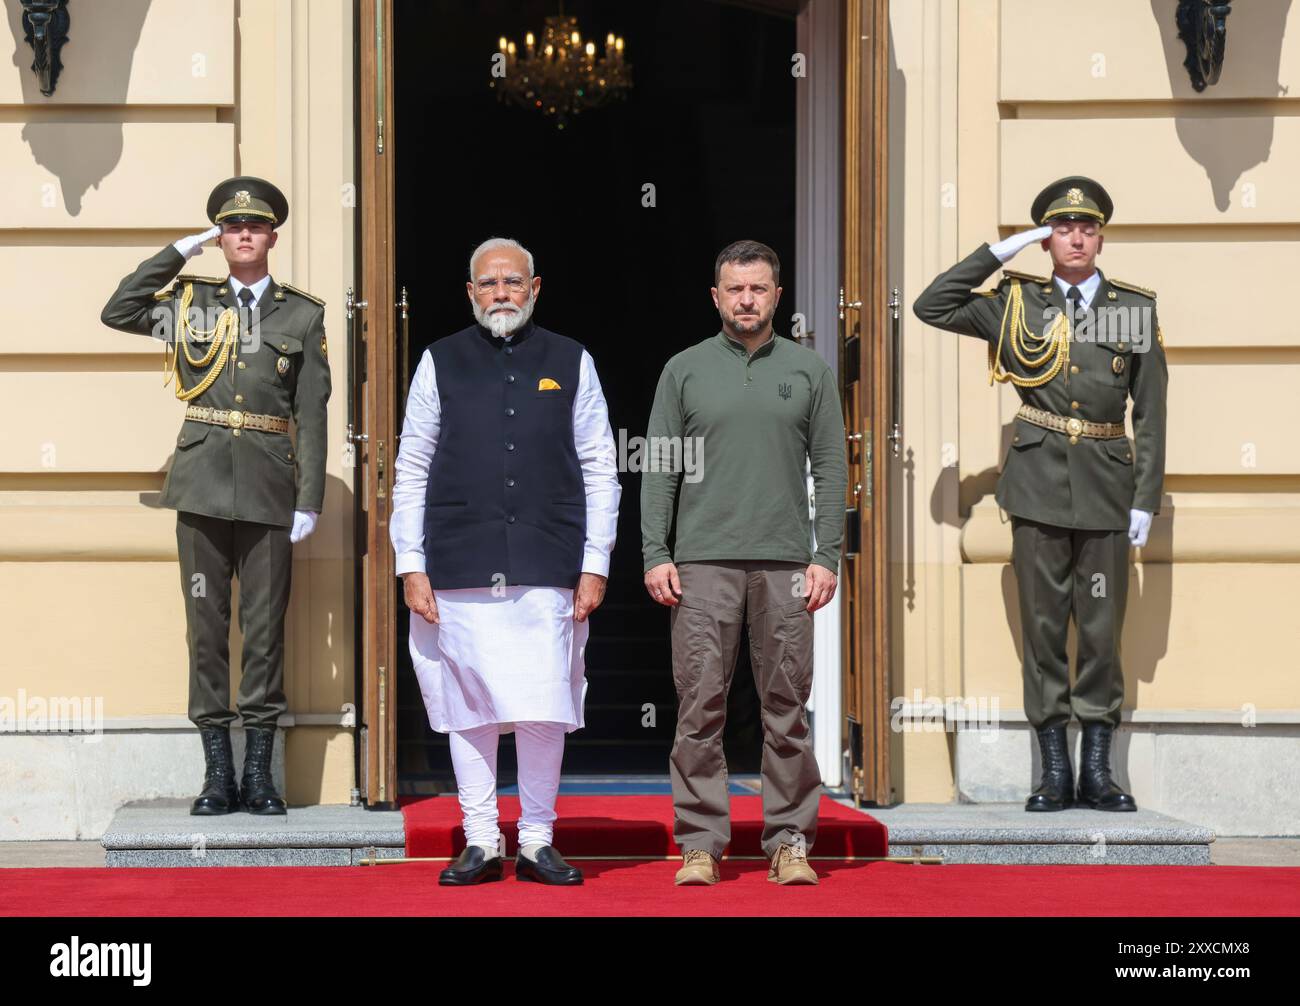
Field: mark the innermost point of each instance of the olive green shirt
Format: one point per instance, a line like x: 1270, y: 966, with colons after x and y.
x: 743, y: 429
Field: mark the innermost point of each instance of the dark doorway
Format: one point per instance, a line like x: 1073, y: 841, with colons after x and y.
x: 710, y: 123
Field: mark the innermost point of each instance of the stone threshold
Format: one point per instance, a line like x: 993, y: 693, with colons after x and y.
x: 1005, y: 833
x: 164, y: 833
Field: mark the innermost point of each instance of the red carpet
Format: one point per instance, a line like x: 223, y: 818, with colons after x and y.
x: 646, y: 889
x: 618, y: 826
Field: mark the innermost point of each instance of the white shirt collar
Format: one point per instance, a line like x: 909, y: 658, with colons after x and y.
x: 1088, y: 287
x: 258, y: 288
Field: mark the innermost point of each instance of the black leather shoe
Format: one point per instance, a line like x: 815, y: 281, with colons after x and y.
x: 257, y: 791
x: 1056, y: 787
x: 548, y: 869
x: 220, y: 795
x: 1096, y: 788
x: 473, y: 866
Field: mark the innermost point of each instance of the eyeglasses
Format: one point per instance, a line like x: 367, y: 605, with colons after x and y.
x: 515, y: 284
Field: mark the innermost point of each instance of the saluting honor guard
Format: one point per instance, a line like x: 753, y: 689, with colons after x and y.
x: 1076, y: 345
x: 247, y: 355
x: 504, y: 516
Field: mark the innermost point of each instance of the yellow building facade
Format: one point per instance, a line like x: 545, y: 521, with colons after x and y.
x: 988, y: 101
x: 156, y: 102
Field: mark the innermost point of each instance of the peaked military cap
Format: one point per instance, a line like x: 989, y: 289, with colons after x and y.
x: 245, y: 197
x: 1072, y: 198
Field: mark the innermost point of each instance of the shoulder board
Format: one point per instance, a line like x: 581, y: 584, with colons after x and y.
x: 190, y: 278
x: 1028, y: 277
x: 1132, y: 286
x: 302, y: 293
x: 987, y: 293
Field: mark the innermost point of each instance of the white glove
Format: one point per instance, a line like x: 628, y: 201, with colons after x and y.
x: 1008, y: 248
x: 1139, y: 525
x: 189, y: 247
x: 304, y: 523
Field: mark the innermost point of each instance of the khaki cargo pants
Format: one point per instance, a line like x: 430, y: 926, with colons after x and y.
x: 716, y: 598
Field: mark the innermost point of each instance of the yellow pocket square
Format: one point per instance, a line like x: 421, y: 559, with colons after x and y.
x: 546, y: 384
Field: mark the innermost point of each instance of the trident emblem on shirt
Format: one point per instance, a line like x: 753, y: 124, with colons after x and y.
x: 783, y: 390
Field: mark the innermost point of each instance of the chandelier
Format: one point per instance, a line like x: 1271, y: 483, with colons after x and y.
x: 562, y: 75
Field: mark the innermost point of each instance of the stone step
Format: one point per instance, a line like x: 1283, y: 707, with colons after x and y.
x: 1008, y: 834
x: 163, y: 833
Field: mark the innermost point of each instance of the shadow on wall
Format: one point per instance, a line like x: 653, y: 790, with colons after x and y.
x: 1229, y: 147
x: 315, y: 627
x: 1150, y: 588
x: 81, y: 154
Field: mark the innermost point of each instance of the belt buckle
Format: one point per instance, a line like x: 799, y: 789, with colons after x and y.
x: 1073, y: 426
x: 235, y: 419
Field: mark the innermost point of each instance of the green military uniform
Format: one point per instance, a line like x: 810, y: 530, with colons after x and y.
x: 1068, y: 489
x: 236, y: 477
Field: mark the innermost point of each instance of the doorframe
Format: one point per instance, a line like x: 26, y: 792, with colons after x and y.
x: 372, y: 341
x: 841, y: 210
x: 819, y: 151
x: 864, y: 314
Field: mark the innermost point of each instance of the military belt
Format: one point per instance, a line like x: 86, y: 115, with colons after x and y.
x: 1069, y: 424
x: 237, y: 420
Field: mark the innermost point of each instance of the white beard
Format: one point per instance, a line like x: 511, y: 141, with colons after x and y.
x: 502, y: 322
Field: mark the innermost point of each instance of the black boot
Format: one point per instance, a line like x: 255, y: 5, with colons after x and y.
x: 256, y: 788
x: 220, y: 794
x: 1056, y: 788
x: 1096, y: 788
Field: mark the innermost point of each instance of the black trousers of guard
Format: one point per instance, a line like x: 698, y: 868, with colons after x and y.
x: 212, y: 551
x: 1061, y: 572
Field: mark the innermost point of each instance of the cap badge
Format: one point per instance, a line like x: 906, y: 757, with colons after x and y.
x: 1075, y: 197
x: 243, y: 200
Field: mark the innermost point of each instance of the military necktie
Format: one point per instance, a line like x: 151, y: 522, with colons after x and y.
x: 1073, y: 298
x: 245, y: 324
x: 246, y: 310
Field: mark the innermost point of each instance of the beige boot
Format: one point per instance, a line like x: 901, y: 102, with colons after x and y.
x: 790, y: 866
x: 698, y: 867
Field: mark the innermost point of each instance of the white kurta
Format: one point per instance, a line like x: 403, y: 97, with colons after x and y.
x: 507, y: 654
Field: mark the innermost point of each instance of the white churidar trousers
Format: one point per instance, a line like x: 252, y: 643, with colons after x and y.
x: 540, y: 748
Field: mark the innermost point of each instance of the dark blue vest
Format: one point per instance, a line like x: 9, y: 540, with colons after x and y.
x: 505, y: 503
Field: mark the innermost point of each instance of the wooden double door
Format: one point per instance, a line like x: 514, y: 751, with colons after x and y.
x: 378, y: 376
